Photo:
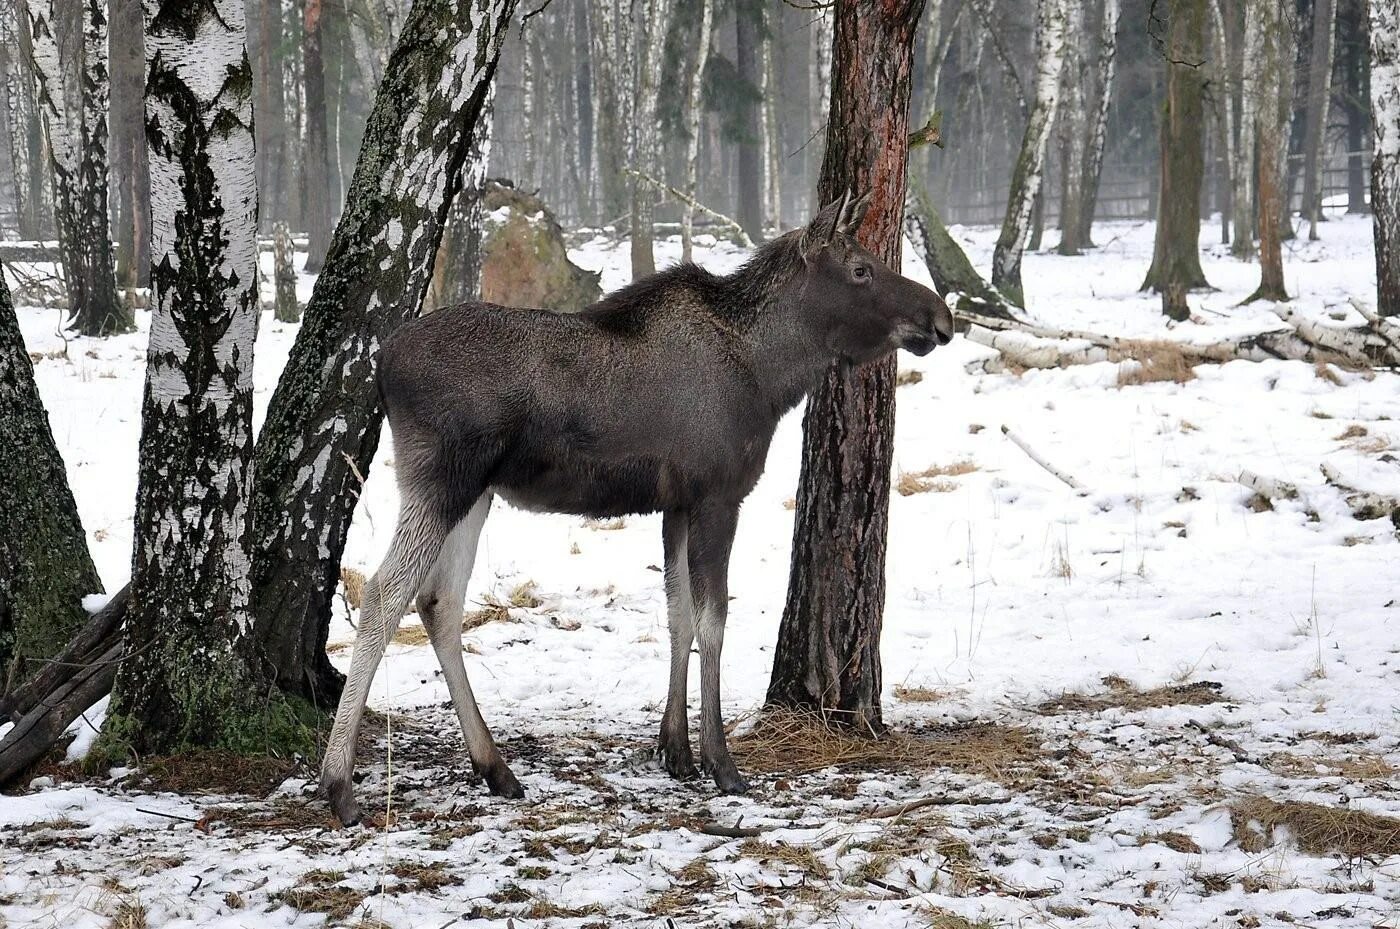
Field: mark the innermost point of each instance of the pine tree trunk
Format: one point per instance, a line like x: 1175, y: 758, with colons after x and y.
x: 1266, y: 56
x: 748, y: 34
x: 316, y: 171
x: 322, y: 426
x: 1319, y: 94
x: 694, y: 115
x: 45, y: 568
x: 1097, y: 128
x: 827, y: 658
x: 1385, y: 165
x: 69, y: 48
x: 1030, y: 162
x: 1176, y: 258
x: 190, y: 676
x: 1072, y: 124
x: 130, y: 171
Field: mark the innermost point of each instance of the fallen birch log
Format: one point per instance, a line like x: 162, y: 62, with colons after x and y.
x: 1364, y: 504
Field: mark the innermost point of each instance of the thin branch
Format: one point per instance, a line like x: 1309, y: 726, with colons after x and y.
x: 685, y: 198
x: 1034, y: 456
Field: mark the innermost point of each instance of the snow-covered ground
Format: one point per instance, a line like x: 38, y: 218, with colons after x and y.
x: 1007, y: 592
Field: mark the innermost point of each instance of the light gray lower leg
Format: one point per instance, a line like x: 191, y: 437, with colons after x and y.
x: 674, y: 743
x: 440, y: 607
x: 709, y: 540
x: 417, y: 541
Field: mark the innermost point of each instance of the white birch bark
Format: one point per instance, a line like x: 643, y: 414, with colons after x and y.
x: 1072, y: 124
x: 1385, y: 165
x: 1097, y: 129
x: 1026, y: 178
x: 1319, y: 98
x: 772, y: 159
x: 1242, y: 168
x: 656, y: 15
x: 694, y: 116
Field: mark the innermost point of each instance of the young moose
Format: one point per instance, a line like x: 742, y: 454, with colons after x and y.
x: 663, y: 397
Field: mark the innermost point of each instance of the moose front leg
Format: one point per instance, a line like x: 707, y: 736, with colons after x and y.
x: 674, y: 744
x: 710, y: 537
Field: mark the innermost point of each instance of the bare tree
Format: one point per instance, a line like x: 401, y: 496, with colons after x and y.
x: 611, y: 32
x: 316, y: 169
x: 1265, y: 52
x: 1232, y: 34
x: 190, y: 674
x: 1026, y: 177
x: 827, y: 658
x: 45, y: 568
x: 26, y: 134
x: 69, y: 63
x: 1319, y: 96
x: 748, y: 36
x: 656, y: 15
x: 1072, y: 125
x: 130, y: 172
x: 1385, y: 165
x: 1096, y: 129
x: 695, y: 115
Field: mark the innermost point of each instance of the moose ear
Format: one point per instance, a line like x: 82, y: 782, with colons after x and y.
x: 825, y: 224
x: 855, y: 215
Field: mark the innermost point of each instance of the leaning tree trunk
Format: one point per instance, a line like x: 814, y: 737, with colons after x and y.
x: 1319, y: 95
x: 646, y: 141
x: 69, y: 48
x: 45, y: 568
x: 1097, y: 128
x: 1266, y: 57
x: 695, y: 116
x: 1030, y: 163
x: 1071, y: 125
x: 1385, y: 164
x: 190, y: 676
x: 827, y: 658
x: 316, y: 171
x: 1176, y: 258
x: 322, y: 427
x: 953, y: 274
x: 748, y: 28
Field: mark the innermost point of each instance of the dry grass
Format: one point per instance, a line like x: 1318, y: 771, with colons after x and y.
x: 1352, y: 767
x: 1125, y: 696
x: 1155, y: 360
x: 214, y: 772
x: 1317, y: 829
x: 788, y: 742
x: 939, y: 918
x: 130, y: 914
x: 1328, y: 372
x: 930, y: 479
x: 1354, y: 431
x: 418, y: 876
x: 354, y: 584
x: 800, y: 857
x: 1176, y: 841
x: 918, y: 694
x: 905, y: 378
x: 321, y: 892
x: 605, y: 525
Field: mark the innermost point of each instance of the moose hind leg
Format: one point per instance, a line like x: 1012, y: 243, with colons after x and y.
x: 415, y: 547
x: 674, y: 744
x: 440, y: 607
x: 711, y: 535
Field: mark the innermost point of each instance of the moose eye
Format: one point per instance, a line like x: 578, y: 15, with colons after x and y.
x: 861, y: 272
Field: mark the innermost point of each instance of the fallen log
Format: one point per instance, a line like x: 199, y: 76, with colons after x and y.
x: 1364, y: 504
x: 68, y: 686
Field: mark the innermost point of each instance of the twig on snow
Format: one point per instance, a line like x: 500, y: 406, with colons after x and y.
x: 1035, y: 456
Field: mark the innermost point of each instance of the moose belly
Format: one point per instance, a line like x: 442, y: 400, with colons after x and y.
x: 588, y: 488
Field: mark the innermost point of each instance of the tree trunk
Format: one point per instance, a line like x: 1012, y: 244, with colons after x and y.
x: 646, y: 142
x: 1319, y: 95
x: 45, y: 568
x: 611, y: 57
x: 583, y: 104
x: 1266, y: 57
x: 271, y: 112
x: 284, y: 276
x: 457, y: 266
x: 1354, y: 98
x: 748, y: 34
x: 322, y: 425
x: 69, y: 48
x: 695, y: 115
x: 316, y: 170
x: 190, y: 675
x: 827, y: 658
x: 1385, y: 165
x: 819, y: 85
x: 1242, y: 195
x: 130, y: 171
x: 1026, y: 176
x: 26, y: 141
x: 1072, y: 124
x: 1176, y: 255
x: 1097, y: 128
x: 953, y: 275
x: 772, y: 157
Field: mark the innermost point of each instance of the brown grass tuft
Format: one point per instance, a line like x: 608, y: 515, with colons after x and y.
x: 800, y: 857
x: 918, y: 694
x: 419, y: 876
x: 493, y: 612
x: 213, y: 772
x: 790, y: 742
x: 1317, y: 829
x: 1125, y: 696
x: 130, y: 914
x: 354, y: 584
x: 928, y: 480
x: 321, y: 892
x: 1156, y: 360
x: 905, y: 378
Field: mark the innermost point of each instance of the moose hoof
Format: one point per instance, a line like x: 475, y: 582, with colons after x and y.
x: 728, y: 779
x: 501, y: 782
x: 341, y: 796
x: 678, y: 762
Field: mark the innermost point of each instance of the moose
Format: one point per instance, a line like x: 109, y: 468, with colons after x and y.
x: 662, y: 397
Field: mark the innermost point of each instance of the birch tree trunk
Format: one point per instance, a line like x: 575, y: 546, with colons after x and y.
x: 130, y: 174
x: 69, y: 64
x: 611, y: 54
x: 1030, y: 163
x: 1072, y: 124
x: 656, y: 14
x: 819, y: 85
x: 316, y: 170
x: 1319, y: 96
x: 827, y: 658
x: 1176, y: 258
x: 190, y: 675
x: 1242, y: 167
x: 457, y: 267
x: 1266, y: 57
x: 583, y: 105
x: 748, y: 35
x: 1097, y: 128
x: 26, y: 141
x: 694, y: 115
x: 772, y: 158
x: 322, y: 426
x: 1385, y: 164
x: 271, y: 109
x: 45, y: 568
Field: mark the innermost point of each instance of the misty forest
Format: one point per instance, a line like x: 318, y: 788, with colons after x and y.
x: 699, y: 463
